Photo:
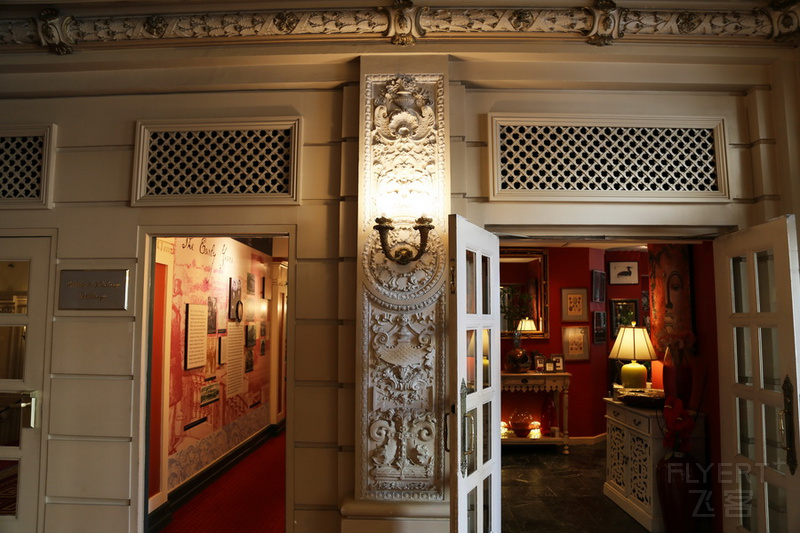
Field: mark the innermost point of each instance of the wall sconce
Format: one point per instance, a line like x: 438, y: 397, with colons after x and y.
x: 404, y: 253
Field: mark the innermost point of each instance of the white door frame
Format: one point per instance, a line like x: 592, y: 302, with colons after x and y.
x: 147, y: 235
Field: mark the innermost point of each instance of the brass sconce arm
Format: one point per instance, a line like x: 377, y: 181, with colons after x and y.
x: 404, y: 254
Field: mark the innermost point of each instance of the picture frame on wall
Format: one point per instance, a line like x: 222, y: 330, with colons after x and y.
x: 234, y: 297
x: 599, y: 326
x: 575, y: 343
x: 558, y: 362
x: 623, y: 273
x: 623, y: 313
x: 598, y: 286
x: 574, y: 305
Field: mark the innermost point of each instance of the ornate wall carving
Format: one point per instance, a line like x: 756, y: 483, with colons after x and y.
x: 403, y: 306
x: 404, y: 23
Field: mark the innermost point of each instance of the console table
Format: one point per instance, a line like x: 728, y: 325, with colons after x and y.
x: 556, y: 384
x: 633, y: 448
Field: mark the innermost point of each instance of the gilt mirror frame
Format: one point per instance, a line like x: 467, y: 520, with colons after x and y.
x: 533, y: 261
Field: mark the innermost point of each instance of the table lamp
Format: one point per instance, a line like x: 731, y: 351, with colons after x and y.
x: 633, y: 344
x: 527, y: 324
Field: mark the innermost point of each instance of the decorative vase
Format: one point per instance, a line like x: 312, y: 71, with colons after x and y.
x: 517, y: 359
x: 680, y: 483
x: 521, y: 423
x: 549, y: 415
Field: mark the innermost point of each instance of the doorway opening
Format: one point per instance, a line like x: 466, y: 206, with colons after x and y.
x: 217, y: 364
x: 587, y: 291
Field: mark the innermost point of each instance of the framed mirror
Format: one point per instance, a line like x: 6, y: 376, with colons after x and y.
x: 523, y: 292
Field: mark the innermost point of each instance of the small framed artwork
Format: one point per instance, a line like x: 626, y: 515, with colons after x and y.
x: 574, y: 306
x: 251, y: 283
x: 234, y: 296
x: 623, y: 313
x: 549, y: 366
x: 558, y: 362
x: 575, y: 341
x: 598, y: 286
x: 623, y: 273
x: 599, y: 326
x: 538, y: 362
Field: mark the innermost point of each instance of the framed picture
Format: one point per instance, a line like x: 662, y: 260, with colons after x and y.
x: 549, y: 366
x: 538, y: 362
x: 575, y: 341
x: 574, y: 306
x: 599, y: 327
x: 598, y: 286
x: 623, y: 273
x: 623, y: 313
x: 234, y: 296
x: 558, y: 362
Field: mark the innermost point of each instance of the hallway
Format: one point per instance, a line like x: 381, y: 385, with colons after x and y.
x: 544, y: 490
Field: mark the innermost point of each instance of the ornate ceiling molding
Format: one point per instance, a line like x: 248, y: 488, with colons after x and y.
x: 404, y: 23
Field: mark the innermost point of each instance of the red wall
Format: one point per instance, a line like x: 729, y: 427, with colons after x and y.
x: 591, y: 380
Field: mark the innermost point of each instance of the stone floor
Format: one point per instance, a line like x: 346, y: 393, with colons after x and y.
x: 544, y: 490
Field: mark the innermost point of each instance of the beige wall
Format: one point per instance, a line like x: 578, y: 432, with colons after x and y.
x: 91, y: 478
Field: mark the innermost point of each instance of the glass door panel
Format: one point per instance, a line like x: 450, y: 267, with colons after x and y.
x: 744, y: 359
x: 487, y: 357
x: 472, y: 283
x: 777, y: 515
x: 744, y: 504
x: 770, y: 359
x: 471, y: 361
x: 747, y: 439
x: 765, y: 281
x: 739, y: 288
x: 775, y: 439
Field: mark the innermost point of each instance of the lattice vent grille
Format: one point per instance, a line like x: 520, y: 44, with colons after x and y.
x: 217, y: 163
x: 22, y: 167
x: 607, y: 158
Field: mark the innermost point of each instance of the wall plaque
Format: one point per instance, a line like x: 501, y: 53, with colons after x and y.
x: 93, y: 289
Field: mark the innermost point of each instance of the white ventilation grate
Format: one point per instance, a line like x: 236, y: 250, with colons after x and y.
x: 217, y: 163
x: 25, y: 155
x: 575, y: 159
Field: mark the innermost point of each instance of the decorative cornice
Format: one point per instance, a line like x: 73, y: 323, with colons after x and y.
x: 404, y: 24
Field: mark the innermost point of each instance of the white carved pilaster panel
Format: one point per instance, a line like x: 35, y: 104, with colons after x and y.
x: 403, y: 306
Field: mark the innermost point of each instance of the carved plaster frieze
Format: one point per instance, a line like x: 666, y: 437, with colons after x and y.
x: 404, y: 23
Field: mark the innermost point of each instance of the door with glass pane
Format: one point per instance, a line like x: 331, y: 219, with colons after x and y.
x: 758, y: 284
x: 474, y: 383
x: 24, y: 277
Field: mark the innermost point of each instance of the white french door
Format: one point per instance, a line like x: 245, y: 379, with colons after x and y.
x: 758, y: 292
x: 24, y: 296
x: 474, y: 336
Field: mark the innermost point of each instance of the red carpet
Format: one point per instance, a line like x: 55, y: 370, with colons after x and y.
x: 249, y: 498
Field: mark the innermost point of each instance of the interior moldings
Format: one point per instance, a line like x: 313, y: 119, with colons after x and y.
x: 404, y: 23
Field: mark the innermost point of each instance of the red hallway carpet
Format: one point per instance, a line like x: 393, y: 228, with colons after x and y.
x: 249, y: 498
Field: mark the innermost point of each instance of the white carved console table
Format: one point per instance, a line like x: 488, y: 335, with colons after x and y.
x: 634, y: 445
x: 556, y: 384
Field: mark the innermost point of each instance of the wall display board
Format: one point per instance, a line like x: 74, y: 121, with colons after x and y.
x: 235, y: 359
x: 196, y: 331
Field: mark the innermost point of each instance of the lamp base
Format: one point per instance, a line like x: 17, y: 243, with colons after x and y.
x: 634, y: 375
